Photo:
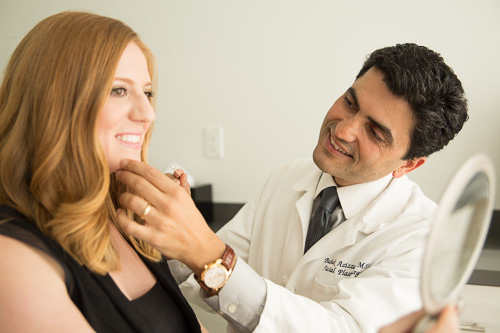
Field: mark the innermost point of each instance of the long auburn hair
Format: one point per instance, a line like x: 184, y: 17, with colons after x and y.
x: 52, y: 167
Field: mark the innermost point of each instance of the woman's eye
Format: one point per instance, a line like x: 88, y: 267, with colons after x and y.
x: 118, y: 91
x: 149, y: 94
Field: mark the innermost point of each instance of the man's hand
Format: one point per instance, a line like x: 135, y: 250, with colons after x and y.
x: 180, y: 178
x: 447, y: 322
x: 173, y: 225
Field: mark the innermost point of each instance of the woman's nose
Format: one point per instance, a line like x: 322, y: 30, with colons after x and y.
x: 143, y: 110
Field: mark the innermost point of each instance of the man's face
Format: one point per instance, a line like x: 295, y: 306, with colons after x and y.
x: 366, y: 133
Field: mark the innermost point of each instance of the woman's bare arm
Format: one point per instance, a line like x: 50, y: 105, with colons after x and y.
x: 34, y: 296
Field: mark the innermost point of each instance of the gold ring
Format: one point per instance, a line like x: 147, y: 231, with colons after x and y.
x: 146, y: 211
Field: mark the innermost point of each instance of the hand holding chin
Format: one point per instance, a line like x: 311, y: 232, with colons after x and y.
x: 173, y: 225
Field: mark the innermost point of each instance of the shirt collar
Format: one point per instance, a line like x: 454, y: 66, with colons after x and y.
x: 354, y: 198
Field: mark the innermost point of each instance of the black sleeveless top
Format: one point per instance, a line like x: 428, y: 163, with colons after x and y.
x: 161, y: 309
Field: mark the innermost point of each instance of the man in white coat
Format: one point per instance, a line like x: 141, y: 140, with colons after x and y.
x: 405, y: 104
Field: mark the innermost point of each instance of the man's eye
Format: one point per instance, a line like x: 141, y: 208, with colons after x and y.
x: 347, y: 101
x: 375, y: 135
x: 118, y: 91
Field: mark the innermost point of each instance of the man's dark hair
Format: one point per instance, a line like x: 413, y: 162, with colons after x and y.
x: 430, y: 87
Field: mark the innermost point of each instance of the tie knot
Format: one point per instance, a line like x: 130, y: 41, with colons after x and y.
x: 329, y: 199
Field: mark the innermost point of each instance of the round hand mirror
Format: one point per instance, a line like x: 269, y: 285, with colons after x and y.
x: 457, y: 236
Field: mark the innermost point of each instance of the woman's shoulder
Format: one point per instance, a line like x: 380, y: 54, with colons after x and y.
x: 18, y: 257
x: 15, y: 225
x: 24, y: 249
x: 35, y: 288
x: 19, y: 236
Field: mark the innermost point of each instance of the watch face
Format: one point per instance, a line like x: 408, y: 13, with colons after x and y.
x: 215, y: 277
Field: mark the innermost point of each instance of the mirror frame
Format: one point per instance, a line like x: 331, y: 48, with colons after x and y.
x: 476, y: 164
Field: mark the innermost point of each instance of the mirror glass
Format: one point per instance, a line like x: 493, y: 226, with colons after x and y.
x: 459, y: 237
x: 458, y: 233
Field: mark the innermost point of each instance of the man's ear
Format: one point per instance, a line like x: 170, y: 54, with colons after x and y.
x: 408, y: 166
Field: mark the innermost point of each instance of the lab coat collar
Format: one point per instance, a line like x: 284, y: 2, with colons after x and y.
x: 353, y: 203
x: 388, y: 205
x: 313, y: 183
x: 350, y: 199
x: 309, y: 181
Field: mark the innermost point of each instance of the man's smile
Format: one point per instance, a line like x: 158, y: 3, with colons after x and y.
x: 337, y: 147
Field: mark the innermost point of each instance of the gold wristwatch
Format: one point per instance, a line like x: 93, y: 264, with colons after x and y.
x: 214, y: 275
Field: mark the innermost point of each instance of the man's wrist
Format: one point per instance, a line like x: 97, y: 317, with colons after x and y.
x: 210, y: 248
x: 214, y: 275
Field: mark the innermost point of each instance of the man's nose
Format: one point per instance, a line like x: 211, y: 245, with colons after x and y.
x: 347, y: 129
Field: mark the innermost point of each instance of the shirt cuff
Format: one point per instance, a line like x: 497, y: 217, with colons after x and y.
x: 242, y: 299
x: 179, y: 271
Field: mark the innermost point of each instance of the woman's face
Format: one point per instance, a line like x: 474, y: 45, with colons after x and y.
x: 127, y: 113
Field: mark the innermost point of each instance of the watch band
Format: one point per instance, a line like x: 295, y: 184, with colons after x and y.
x: 228, y: 261
x: 228, y: 258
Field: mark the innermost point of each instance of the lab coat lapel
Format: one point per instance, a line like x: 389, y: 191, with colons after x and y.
x: 343, y: 235
x: 372, y: 218
x: 307, y: 185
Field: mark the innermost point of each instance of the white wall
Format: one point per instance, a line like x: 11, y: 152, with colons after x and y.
x: 267, y: 71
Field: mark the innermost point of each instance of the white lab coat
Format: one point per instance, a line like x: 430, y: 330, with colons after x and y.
x: 360, y: 276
